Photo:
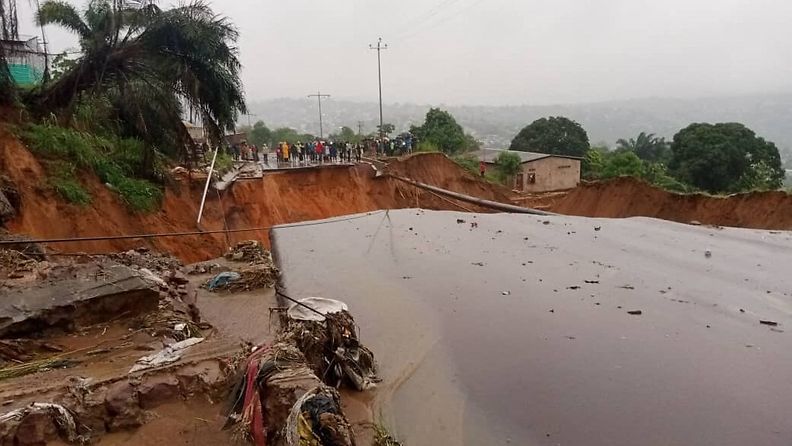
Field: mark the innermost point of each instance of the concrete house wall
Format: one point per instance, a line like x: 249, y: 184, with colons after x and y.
x: 549, y: 174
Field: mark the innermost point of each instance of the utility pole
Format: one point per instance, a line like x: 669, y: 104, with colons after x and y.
x: 248, y: 118
x: 360, y: 129
x: 319, y: 96
x: 379, y: 49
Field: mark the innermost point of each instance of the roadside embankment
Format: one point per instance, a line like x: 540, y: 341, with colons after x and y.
x: 629, y: 197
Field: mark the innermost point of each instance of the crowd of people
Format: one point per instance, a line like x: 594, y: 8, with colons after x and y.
x: 298, y: 154
x: 319, y: 152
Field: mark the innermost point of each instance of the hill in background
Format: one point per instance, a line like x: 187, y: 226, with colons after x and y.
x: 769, y: 115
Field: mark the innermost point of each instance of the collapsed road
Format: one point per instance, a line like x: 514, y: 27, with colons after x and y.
x: 517, y: 329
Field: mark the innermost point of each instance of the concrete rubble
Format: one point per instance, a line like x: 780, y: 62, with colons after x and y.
x: 48, y: 305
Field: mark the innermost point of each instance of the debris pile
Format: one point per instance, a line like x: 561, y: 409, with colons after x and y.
x: 282, y: 380
x: 260, y: 271
x: 9, y: 199
x: 15, y: 265
x: 144, y: 258
x: 326, y: 333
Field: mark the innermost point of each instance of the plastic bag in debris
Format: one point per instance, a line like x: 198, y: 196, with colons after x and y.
x: 320, y: 304
x: 223, y: 279
x: 169, y: 354
x: 316, y: 419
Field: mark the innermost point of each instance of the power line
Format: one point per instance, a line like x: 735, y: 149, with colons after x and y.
x: 430, y: 24
x: 423, y: 18
x: 319, y: 96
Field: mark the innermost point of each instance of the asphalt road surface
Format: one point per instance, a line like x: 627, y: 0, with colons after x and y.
x: 525, y: 330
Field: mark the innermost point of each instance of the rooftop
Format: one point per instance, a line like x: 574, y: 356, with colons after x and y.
x: 489, y: 155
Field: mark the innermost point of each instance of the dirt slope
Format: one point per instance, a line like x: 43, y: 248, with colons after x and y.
x: 294, y: 196
x: 284, y: 197
x: 628, y: 197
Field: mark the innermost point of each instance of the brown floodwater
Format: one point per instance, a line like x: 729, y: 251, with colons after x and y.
x: 517, y: 331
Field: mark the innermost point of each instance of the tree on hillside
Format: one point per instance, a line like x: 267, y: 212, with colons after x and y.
x: 507, y: 165
x: 387, y: 129
x: 260, y: 134
x: 624, y: 163
x: 647, y: 147
x: 441, y: 130
x: 346, y: 134
x: 556, y: 135
x: 716, y: 158
x: 149, y: 62
x: 289, y: 135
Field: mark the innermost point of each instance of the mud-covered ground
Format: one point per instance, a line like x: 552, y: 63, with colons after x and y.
x: 507, y: 329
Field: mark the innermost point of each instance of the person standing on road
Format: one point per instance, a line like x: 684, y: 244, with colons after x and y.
x: 482, y: 168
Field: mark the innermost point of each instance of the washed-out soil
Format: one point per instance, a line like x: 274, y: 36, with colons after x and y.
x: 311, y: 194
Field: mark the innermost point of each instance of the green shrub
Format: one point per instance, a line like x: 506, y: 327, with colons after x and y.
x: 114, y: 160
x: 64, y: 181
x: 507, y: 165
x: 71, y: 190
x: 426, y: 147
x: 468, y: 162
x: 224, y: 162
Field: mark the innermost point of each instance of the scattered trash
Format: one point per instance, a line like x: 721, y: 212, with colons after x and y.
x: 591, y: 281
x: 635, y: 312
x: 460, y: 221
x: 546, y: 222
x: 708, y: 253
x: 770, y: 323
x: 222, y: 280
x: 315, y: 309
x: 627, y: 287
x: 317, y: 419
x: 506, y: 293
x: 473, y: 224
x: 477, y: 263
x: 573, y: 287
x: 169, y: 354
x: 597, y: 228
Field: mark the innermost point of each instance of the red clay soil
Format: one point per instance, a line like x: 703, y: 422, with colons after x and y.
x: 438, y: 170
x: 628, y: 197
x: 310, y: 194
x: 278, y: 198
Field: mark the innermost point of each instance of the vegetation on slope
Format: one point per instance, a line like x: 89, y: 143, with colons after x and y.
x: 67, y: 151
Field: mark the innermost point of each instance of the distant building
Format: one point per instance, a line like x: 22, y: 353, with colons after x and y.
x: 196, y: 132
x: 540, y: 172
x: 236, y: 138
x: 26, y: 60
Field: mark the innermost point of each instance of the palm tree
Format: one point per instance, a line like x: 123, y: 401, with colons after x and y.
x: 149, y: 62
x: 648, y: 147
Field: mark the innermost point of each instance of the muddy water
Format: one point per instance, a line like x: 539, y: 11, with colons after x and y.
x: 517, y: 331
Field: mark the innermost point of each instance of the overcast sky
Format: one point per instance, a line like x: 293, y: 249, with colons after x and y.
x: 494, y: 52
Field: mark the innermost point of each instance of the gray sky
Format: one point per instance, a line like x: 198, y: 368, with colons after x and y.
x: 496, y: 52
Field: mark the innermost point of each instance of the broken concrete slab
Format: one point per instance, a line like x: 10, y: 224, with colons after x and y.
x: 76, y: 296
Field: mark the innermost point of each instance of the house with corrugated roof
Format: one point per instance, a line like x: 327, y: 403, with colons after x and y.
x: 539, y: 172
